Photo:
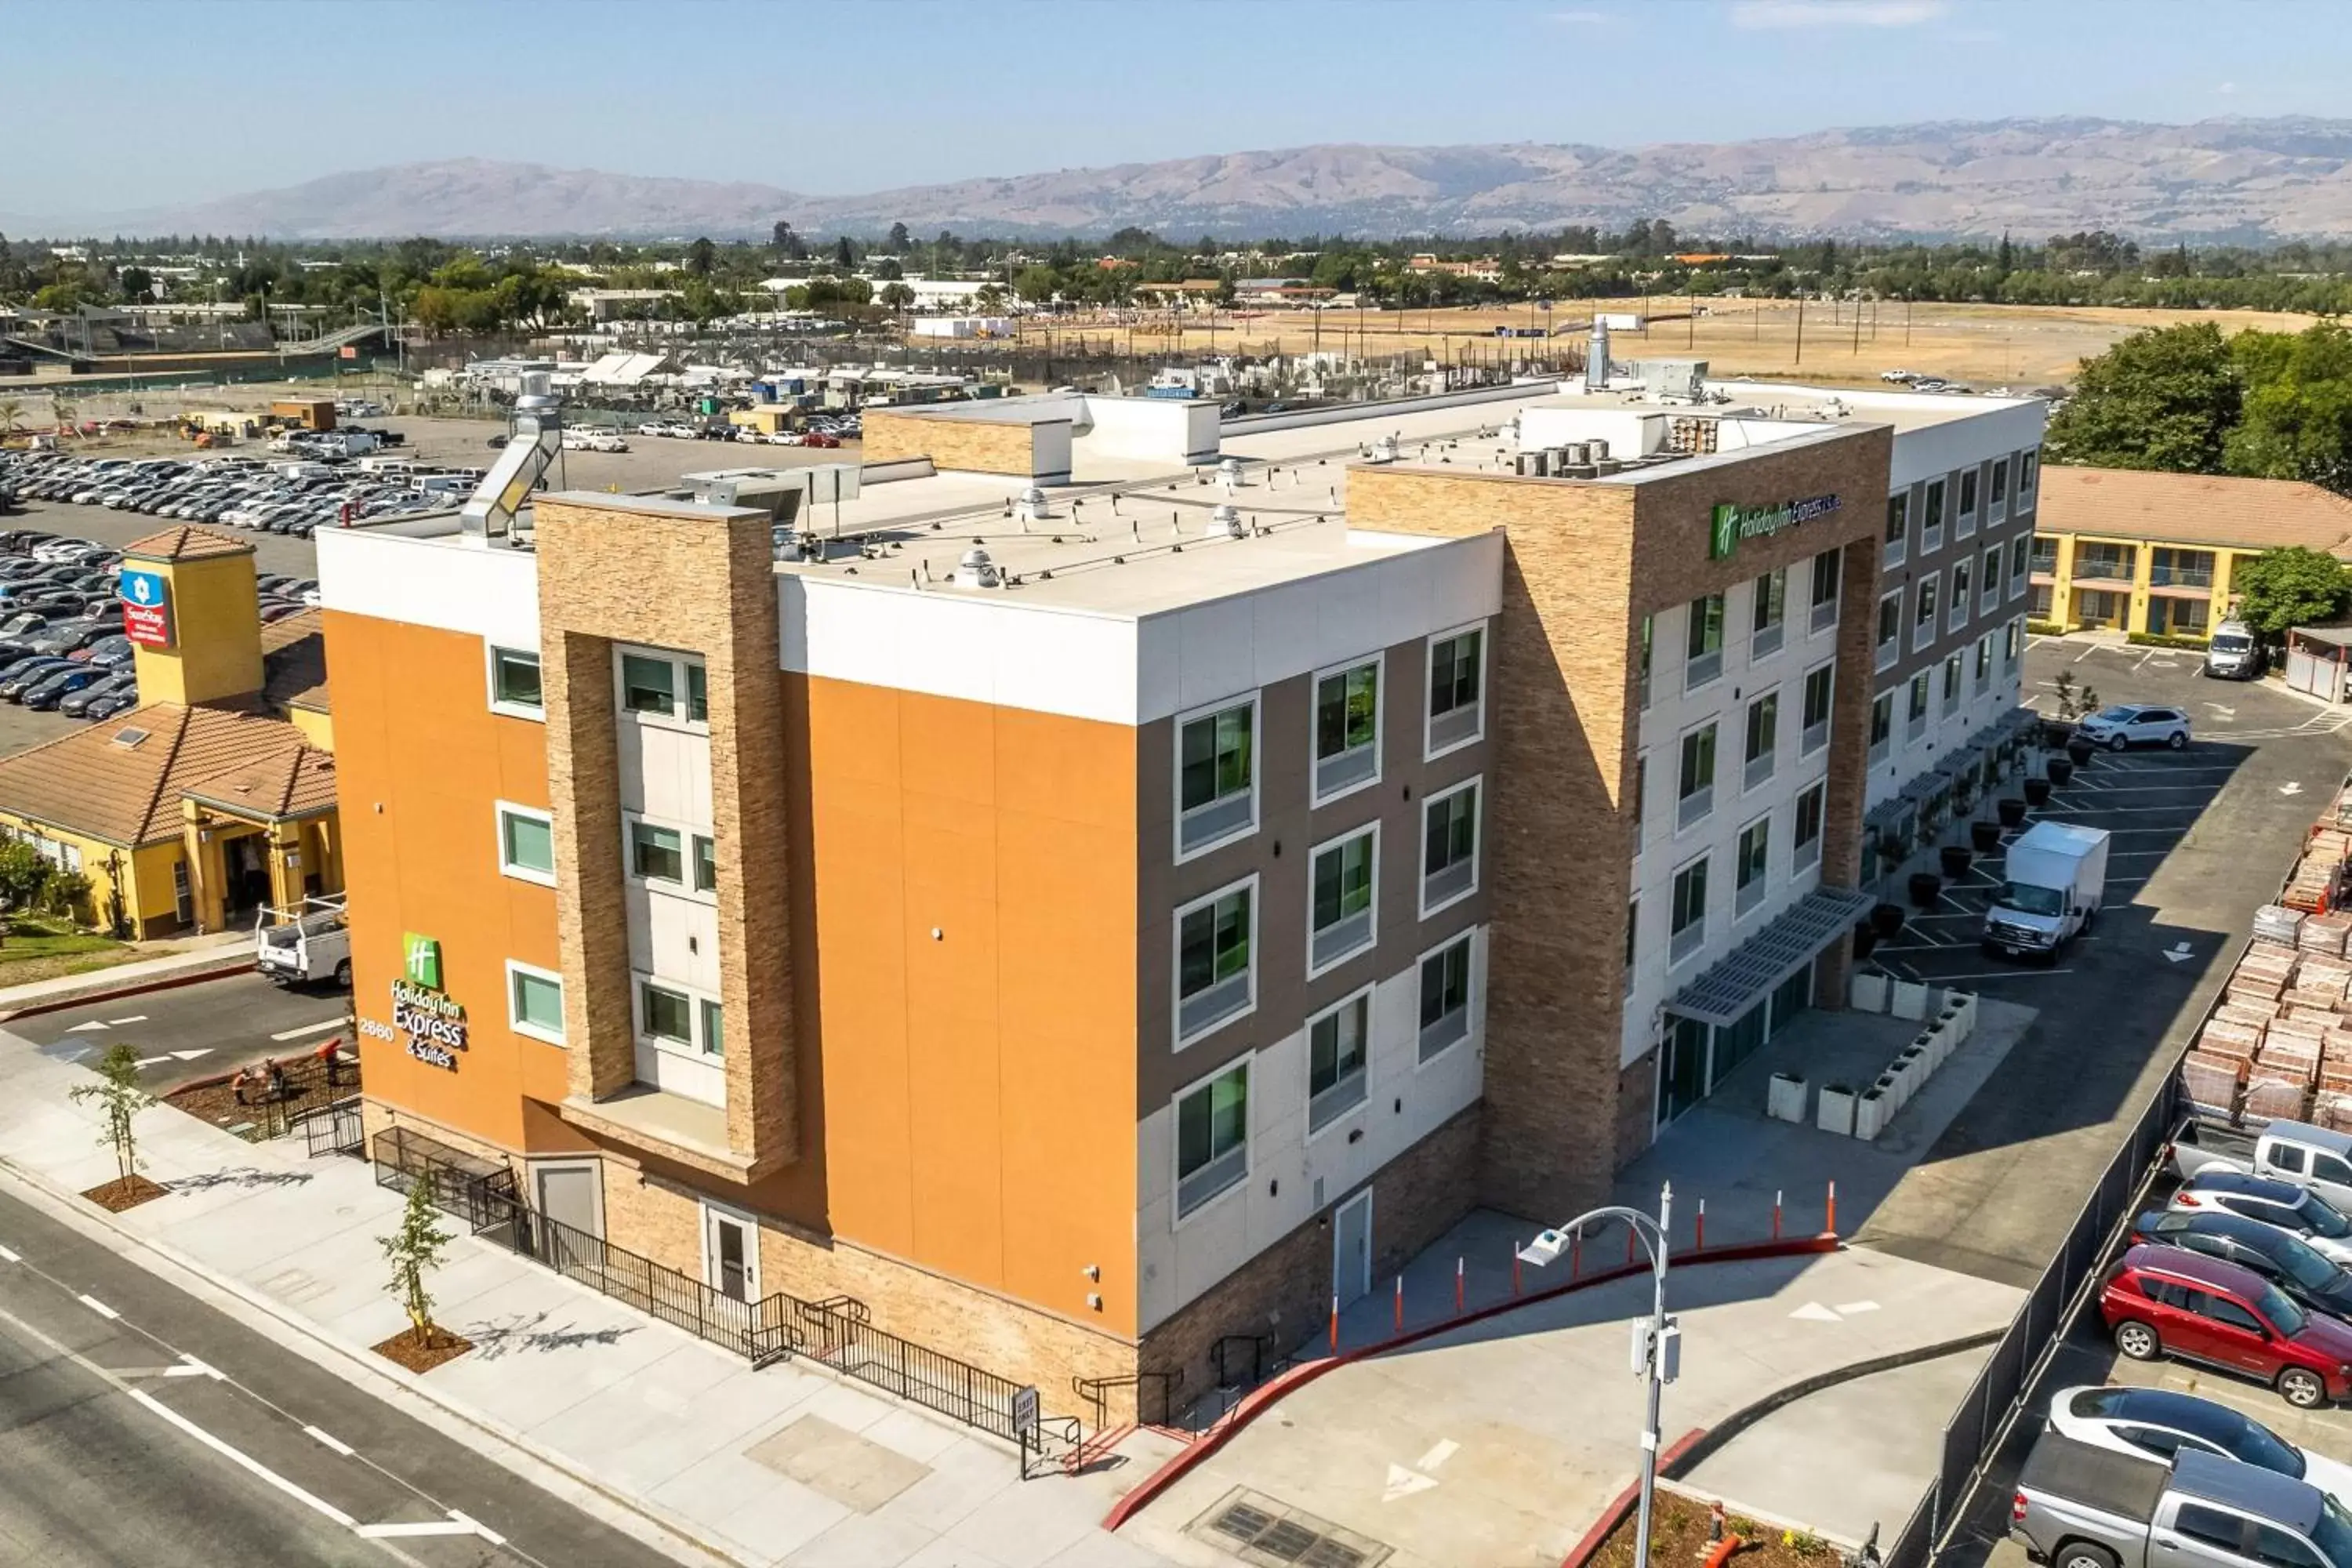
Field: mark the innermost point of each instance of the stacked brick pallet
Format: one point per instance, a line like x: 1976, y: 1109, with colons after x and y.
x: 2316, y: 884
x: 2279, y: 1043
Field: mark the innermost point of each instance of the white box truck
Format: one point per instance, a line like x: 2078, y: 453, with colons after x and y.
x: 2055, y: 880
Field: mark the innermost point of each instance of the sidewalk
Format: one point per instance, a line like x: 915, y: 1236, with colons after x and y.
x: 782, y: 1466
x: 222, y: 953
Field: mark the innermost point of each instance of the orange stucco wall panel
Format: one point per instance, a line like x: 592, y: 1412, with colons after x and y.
x: 420, y: 758
x: 979, y: 1086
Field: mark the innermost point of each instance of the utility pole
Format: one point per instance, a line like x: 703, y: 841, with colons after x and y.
x: 1800, y: 327
x: 1857, y: 326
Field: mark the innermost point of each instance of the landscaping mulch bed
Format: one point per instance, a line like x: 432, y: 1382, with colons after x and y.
x: 215, y: 1100
x: 124, y: 1193
x: 422, y: 1352
x: 1678, y: 1535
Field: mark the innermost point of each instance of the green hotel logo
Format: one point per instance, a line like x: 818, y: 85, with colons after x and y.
x: 420, y: 961
x: 1730, y: 524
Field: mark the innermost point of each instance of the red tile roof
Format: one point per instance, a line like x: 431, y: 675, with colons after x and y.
x: 2204, y: 510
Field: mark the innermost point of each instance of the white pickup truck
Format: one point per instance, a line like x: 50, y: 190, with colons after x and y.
x: 2294, y: 1151
x: 305, y: 946
x: 2082, y: 1507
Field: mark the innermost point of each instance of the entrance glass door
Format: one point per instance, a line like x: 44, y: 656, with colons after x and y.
x: 730, y: 1255
x: 1682, y: 1067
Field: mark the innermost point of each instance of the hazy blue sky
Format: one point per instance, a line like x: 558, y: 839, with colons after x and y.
x: 855, y: 95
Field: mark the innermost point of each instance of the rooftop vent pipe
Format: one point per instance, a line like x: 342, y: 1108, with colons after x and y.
x: 1596, y: 358
x: 977, y: 571
x: 538, y: 438
x: 1226, y: 521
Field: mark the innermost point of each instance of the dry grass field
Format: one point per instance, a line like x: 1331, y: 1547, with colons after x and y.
x: 1981, y: 346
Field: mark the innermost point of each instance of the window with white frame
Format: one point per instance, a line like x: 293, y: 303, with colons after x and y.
x: 1968, y: 512
x: 1761, y: 751
x: 664, y: 686
x: 1695, y: 783
x: 1216, y: 980
x: 2021, y: 559
x: 1951, y: 681
x: 656, y: 854
x: 674, y: 1018
x: 1931, y: 519
x: 1805, y: 842
x: 2009, y: 635
x: 1449, y: 846
x: 1346, y: 729
x: 1641, y: 796
x: 1445, y: 996
x: 1988, y: 580
x: 526, y: 844
x: 1212, y: 1137
x: 1633, y: 939
x: 1828, y: 567
x: 1984, y: 660
x: 1922, y: 626
x: 1770, y: 613
x: 1337, y: 1044
x: 1686, y: 925
x: 1914, y: 712
x: 1703, y: 642
x: 1890, y: 629
x: 2027, y: 465
x: 706, y: 863
x: 1341, y: 892
x: 1814, y: 731
x: 2000, y: 480
x: 1882, y: 726
x: 1898, y: 528
x: 1751, y: 861
x: 1457, y: 683
x: 1960, y: 611
x: 1216, y: 775
x: 1642, y: 661
x: 535, y: 1002
x: 514, y: 683
x: 714, y: 1033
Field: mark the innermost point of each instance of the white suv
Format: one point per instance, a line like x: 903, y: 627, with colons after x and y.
x: 2122, y: 727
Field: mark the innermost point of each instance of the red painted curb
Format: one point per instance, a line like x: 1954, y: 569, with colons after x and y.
x: 1149, y: 1489
x: 1622, y: 1504
x: 170, y: 983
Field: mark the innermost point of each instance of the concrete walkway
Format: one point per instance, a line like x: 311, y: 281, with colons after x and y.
x: 1497, y: 1445
x: 788, y: 1465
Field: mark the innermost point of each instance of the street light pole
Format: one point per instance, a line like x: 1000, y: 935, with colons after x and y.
x: 1656, y: 1350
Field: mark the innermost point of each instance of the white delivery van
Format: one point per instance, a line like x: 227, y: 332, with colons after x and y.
x: 2233, y: 653
x: 2055, y: 880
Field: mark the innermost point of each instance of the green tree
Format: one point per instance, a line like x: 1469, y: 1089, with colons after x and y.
x: 415, y: 1251
x: 897, y: 296
x: 119, y: 1099
x: 2297, y: 422
x: 2290, y: 587
x: 990, y: 299
x: 1036, y: 285
x: 2164, y: 397
x: 700, y: 257
x: 137, y: 284
x: 12, y: 415
x: 900, y: 239
x: 843, y: 257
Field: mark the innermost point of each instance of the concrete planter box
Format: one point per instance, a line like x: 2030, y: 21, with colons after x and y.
x: 1936, y: 1042
x: 1957, y: 1025
x: 1867, y: 992
x: 1784, y: 1099
x: 1963, y: 1006
x: 1907, y: 999
x: 1836, y: 1113
x: 1871, y: 1114
x: 1912, y: 1067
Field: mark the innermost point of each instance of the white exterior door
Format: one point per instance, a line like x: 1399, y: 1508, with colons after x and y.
x: 730, y: 1253
x: 1352, y: 1249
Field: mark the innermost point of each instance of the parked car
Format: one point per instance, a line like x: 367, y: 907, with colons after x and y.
x: 77, y: 705
x: 2161, y: 1302
x: 46, y: 694
x: 114, y: 702
x: 2126, y: 725
x: 29, y: 674
x: 2301, y: 1269
x: 2294, y: 1151
x: 2081, y: 1506
x: 2157, y: 1423
x: 2296, y: 1210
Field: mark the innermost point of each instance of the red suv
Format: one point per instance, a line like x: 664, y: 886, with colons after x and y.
x: 2163, y: 1300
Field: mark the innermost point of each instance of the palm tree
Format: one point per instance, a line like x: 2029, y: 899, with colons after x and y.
x: 62, y: 413
x: 12, y: 417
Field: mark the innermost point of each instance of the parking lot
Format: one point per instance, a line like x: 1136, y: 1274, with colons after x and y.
x: 196, y: 1030
x: 2203, y: 837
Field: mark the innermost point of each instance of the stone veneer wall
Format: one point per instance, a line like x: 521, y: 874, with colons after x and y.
x: 699, y: 580
x: 969, y: 446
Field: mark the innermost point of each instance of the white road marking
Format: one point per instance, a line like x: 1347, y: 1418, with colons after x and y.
x: 95, y: 1305
x: 484, y: 1530
x: 238, y: 1456
x: 2179, y: 952
x: 9, y: 1257
x: 2018, y: 973
x: 134, y: 1018
x: 337, y: 1444
x: 2291, y: 788
x: 307, y: 1029
x: 192, y: 1056
x: 1851, y: 1308
x: 85, y: 1027
x: 150, y: 1061
x: 427, y: 1527
x: 1814, y: 1312
x: 1404, y: 1483
x: 189, y: 1366
x: 1439, y: 1452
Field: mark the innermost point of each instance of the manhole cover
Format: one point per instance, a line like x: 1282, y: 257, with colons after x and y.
x: 1257, y: 1528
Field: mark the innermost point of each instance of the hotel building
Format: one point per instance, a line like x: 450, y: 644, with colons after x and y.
x: 1082, y: 922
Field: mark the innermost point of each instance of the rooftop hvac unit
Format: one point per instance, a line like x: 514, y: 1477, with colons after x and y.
x: 1384, y: 450
x: 1596, y: 449
x: 1569, y: 455
x: 1534, y: 465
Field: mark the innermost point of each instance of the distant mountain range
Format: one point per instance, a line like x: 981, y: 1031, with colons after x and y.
x: 2246, y: 180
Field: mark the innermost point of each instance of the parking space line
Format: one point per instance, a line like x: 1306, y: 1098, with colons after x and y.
x: 2019, y: 974
x: 100, y: 1308
x: 240, y: 1457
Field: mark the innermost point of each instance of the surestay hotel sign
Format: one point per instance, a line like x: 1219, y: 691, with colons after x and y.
x: 1731, y: 523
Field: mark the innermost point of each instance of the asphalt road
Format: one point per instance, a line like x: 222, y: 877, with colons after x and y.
x: 139, y: 1426
x: 2201, y: 838
x: 194, y: 1031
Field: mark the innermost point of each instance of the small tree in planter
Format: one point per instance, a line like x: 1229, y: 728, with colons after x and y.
x: 119, y: 1099
x: 415, y: 1251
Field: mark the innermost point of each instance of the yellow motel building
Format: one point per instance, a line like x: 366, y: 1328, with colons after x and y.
x: 2128, y: 550
x: 215, y: 797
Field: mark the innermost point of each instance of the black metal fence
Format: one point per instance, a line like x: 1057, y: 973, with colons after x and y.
x: 480, y: 1192
x: 333, y: 1128
x: 857, y: 1348
x: 1986, y: 1413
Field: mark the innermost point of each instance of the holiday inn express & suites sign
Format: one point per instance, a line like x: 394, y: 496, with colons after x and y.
x: 433, y: 1026
x: 1732, y: 523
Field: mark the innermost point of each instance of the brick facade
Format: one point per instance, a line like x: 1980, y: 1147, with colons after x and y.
x: 968, y: 446
x: 700, y: 580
